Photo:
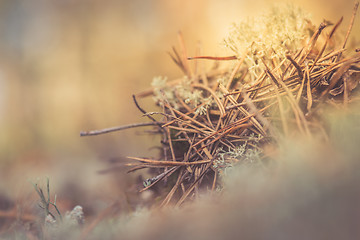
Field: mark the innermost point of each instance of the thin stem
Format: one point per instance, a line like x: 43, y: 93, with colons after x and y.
x: 114, y: 129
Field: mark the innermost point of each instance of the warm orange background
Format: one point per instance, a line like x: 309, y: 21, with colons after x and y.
x: 72, y: 65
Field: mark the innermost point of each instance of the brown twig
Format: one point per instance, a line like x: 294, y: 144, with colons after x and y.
x: 120, y: 128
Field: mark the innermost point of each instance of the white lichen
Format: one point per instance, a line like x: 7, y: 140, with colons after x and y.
x: 241, y: 154
x: 194, y: 98
x: 75, y: 217
x: 284, y: 29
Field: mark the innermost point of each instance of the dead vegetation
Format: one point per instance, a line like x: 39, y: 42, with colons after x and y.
x: 211, y: 120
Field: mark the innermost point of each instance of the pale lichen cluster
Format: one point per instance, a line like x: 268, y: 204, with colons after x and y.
x: 244, y: 154
x: 284, y: 29
x: 183, y: 91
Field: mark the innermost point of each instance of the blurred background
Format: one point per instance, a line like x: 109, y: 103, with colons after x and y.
x: 73, y: 65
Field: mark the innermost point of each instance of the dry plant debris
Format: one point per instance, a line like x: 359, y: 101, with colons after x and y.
x: 212, y: 120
